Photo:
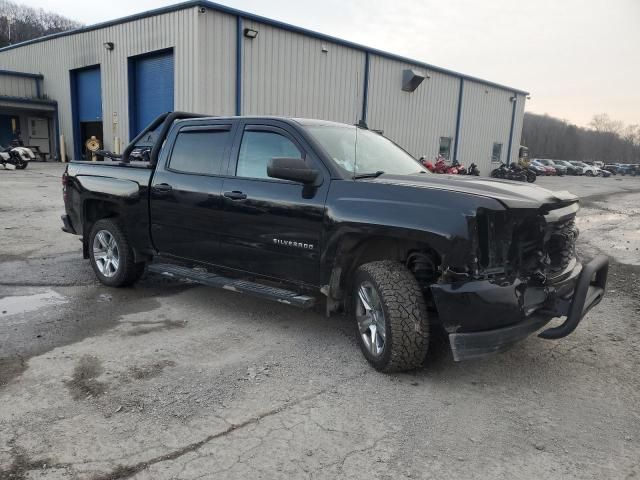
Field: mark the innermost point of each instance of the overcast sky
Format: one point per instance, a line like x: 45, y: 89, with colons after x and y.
x: 576, y: 57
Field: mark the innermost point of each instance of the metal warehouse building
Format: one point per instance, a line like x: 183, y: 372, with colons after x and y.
x: 109, y: 80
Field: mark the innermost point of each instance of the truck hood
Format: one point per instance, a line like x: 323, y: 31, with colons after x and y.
x: 510, y: 193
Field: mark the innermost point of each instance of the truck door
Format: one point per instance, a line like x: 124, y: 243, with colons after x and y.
x: 185, y: 193
x: 272, y: 227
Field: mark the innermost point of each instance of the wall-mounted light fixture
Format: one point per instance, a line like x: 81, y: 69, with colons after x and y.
x: 250, y: 33
x: 108, y: 45
x: 528, y: 97
x: 513, y: 99
x: 325, y: 49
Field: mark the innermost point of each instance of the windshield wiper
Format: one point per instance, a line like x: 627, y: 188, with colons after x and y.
x: 368, y: 175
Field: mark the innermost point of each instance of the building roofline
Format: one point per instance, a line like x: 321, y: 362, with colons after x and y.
x: 267, y: 21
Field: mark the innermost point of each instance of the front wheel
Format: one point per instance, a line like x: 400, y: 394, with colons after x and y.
x: 589, y: 173
x: 391, y: 316
x: 111, y: 255
x: 531, y: 176
x: 21, y: 164
x: 497, y: 173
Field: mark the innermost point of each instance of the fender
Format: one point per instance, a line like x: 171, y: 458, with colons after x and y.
x: 438, y: 219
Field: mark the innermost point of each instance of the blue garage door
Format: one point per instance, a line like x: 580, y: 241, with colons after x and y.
x: 88, y: 95
x: 152, y: 88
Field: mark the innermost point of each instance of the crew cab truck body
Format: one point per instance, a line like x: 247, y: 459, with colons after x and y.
x: 298, y: 210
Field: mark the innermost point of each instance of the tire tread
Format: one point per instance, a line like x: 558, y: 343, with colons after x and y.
x: 405, y: 312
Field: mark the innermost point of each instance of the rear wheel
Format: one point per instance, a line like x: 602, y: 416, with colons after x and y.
x: 111, y: 255
x: 391, y: 316
x: 21, y: 164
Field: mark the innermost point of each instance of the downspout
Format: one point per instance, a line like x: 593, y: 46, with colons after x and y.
x: 56, y: 127
x: 365, y: 90
x: 458, y: 120
x: 514, y: 101
x: 239, y: 46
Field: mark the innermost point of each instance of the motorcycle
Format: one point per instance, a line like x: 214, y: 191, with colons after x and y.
x: 12, y: 158
x: 461, y: 168
x: 473, y: 170
x: 440, y: 166
x: 512, y: 172
x: 528, y: 169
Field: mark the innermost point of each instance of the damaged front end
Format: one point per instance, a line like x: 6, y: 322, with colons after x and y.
x: 524, y: 273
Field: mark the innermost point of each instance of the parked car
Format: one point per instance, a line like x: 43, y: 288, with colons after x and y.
x: 627, y: 169
x: 571, y: 169
x: 560, y: 169
x: 612, y: 168
x: 589, y: 170
x: 538, y: 168
x: 548, y: 169
x: 603, y: 173
x: 338, y: 212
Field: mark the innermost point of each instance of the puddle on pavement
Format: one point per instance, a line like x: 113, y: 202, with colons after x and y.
x: 18, y: 304
x: 616, y: 233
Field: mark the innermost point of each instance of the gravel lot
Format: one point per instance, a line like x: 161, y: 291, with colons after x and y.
x: 169, y: 380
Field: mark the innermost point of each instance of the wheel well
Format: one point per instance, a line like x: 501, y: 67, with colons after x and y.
x: 94, y: 210
x: 419, y: 257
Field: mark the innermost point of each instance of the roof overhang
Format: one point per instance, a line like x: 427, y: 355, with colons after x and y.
x: 19, y: 103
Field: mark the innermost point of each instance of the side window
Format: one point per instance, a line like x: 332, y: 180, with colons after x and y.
x: 257, y: 148
x: 445, y: 147
x: 496, y: 153
x: 200, y: 151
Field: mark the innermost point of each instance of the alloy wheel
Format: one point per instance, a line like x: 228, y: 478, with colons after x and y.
x: 106, y: 254
x: 370, y: 317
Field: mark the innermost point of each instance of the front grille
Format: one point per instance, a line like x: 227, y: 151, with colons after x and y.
x: 528, y: 245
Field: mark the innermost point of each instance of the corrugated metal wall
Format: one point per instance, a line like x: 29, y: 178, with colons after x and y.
x: 56, y: 57
x: 486, y: 119
x: 283, y: 73
x: 216, y: 66
x: 286, y: 73
x: 416, y: 120
x: 13, y: 86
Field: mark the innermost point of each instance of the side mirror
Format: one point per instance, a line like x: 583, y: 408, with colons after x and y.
x: 293, y: 169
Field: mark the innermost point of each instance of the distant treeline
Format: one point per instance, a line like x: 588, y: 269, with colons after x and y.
x: 19, y: 23
x: 607, y: 140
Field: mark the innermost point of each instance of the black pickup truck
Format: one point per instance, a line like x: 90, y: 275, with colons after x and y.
x: 300, y: 211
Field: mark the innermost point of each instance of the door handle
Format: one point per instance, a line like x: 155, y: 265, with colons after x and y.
x: 162, y: 188
x: 235, y: 195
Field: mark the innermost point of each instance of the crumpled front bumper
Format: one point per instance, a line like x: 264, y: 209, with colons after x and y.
x: 487, y: 316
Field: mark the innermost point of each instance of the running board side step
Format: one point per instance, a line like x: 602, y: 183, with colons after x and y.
x: 241, y: 286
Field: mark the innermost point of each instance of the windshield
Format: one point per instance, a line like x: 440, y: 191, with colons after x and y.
x: 370, y: 154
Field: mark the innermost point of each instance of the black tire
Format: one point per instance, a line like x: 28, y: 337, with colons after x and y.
x: 405, y: 316
x: 21, y: 165
x: 531, y: 176
x: 127, y: 272
x: 589, y: 173
x: 497, y: 173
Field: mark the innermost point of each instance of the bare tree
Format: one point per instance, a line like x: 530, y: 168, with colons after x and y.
x: 19, y: 23
x: 606, y: 140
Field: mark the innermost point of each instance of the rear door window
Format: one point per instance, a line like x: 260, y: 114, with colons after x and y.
x: 200, y: 150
